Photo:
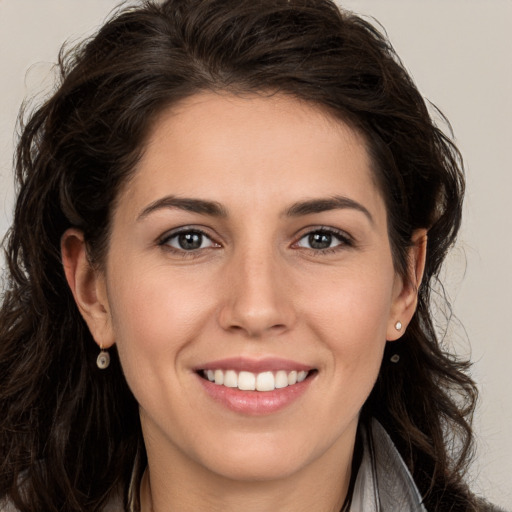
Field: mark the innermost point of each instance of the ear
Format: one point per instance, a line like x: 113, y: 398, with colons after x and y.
x: 406, y: 288
x: 88, y: 287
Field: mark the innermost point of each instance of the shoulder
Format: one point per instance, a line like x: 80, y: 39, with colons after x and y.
x: 393, y: 481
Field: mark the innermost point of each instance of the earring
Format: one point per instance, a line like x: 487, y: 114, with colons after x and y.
x: 103, y: 359
x: 395, y: 357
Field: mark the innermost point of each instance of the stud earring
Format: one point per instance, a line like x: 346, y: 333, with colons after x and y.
x: 398, y: 326
x: 103, y: 359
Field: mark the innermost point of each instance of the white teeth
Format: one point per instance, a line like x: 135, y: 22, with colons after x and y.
x: 248, y: 381
x: 281, y: 379
x: 292, y: 378
x: 219, y: 377
x: 265, y: 381
x: 301, y: 376
x: 231, y: 379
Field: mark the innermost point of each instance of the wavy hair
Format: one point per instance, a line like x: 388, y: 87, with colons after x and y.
x: 70, y: 433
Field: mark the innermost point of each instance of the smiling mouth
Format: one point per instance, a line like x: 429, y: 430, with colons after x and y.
x: 249, y: 381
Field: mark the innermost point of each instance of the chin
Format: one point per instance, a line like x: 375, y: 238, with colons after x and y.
x: 267, y: 458
x: 258, y: 469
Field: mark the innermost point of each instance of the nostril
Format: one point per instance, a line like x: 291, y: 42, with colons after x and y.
x: 257, y: 306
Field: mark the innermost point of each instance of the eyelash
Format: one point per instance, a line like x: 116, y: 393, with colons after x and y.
x: 343, y: 238
x: 164, y: 242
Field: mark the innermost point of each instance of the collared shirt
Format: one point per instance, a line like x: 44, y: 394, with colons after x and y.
x: 383, y: 481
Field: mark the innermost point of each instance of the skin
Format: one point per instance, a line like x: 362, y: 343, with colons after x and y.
x: 255, y: 289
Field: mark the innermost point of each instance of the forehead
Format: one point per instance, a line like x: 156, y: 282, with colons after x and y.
x: 252, y: 150
x: 273, y: 117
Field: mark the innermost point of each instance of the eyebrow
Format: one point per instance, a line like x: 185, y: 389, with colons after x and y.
x: 311, y: 206
x: 201, y: 206
x: 215, y: 209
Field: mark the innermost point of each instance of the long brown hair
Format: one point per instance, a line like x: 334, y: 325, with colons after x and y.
x: 69, y: 433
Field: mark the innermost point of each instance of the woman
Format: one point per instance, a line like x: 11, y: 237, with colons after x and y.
x: 229, y: 218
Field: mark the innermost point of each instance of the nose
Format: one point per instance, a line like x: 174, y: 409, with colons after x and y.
x: 258, y: 300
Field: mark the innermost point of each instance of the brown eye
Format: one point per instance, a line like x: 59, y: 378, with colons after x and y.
x: 188, y: 241
x: 321, y: 240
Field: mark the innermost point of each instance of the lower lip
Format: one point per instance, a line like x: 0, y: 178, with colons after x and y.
x: 255, y: 403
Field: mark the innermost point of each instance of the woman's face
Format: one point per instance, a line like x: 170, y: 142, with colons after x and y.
x: 250, y: 248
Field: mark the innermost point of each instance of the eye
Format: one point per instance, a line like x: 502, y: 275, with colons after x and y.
x: 189, y: 240
x: 323, y: 239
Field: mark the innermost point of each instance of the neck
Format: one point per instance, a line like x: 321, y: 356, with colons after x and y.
x: 234, y: 496
x: 177, y: 483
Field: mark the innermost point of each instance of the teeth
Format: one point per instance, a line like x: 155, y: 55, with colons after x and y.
x: 247, y: 381
x: 265, y: 381
x: 281, y: 379
x: 219, y: 377
x: 231, y: 379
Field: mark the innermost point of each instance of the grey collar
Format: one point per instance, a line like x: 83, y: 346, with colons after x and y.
x: 383, y: 481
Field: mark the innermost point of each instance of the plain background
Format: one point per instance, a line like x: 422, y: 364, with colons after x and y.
x: 459, y: 54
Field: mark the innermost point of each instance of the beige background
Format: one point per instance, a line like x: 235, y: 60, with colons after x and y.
x: 459, y: 53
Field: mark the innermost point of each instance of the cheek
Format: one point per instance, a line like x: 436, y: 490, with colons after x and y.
x: 357, y: 304
x: 156, y: 316
x: 351, y: 317
x: 155, y: 312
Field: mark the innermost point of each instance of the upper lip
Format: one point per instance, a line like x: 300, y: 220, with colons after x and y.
x: 268, y: 364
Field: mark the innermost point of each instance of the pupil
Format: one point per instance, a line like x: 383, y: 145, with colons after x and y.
x: 189, y: 241
x: 320, y: 240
